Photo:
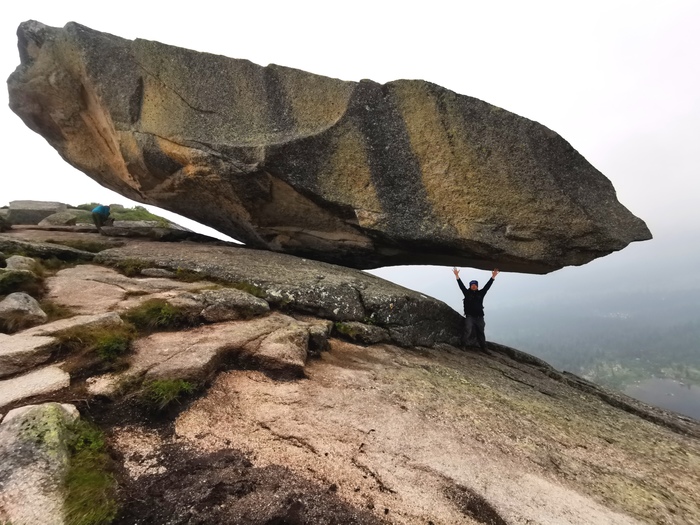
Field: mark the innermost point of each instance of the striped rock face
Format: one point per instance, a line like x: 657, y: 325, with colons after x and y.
x: 354, y: 173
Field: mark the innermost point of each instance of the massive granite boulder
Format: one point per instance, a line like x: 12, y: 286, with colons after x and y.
x: 354, y: 173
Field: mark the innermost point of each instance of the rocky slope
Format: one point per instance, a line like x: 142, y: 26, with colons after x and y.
x: 313, y: 394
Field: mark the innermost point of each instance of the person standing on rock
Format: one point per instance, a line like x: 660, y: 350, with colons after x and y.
x: 474, y: 308
x: 100, y: 216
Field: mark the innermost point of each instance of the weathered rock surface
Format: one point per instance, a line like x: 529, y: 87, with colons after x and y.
x: 34, y: 464
x: 383, y: 433
x: 276, y: 342
x: 224, y: 304
x: 22, y: 352
x: 324, y: 290
x: 11, y: 244
x: 47, y: 380
x: 359, y: 174
x: 100, y: 320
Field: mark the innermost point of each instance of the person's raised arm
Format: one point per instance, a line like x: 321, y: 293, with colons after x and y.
x: 485, y: 289
x: 459, y: 281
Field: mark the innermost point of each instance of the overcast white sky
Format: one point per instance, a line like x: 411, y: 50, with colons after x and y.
x: 620, y: 80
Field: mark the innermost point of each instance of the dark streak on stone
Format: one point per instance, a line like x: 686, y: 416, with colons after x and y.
x: 136, y: 102
x: 394, y: 169
x: 279, y: 107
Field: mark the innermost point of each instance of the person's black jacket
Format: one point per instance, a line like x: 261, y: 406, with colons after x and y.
x: 474, y: 299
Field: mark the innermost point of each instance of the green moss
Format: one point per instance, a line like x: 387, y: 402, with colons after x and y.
x: 162, y: 393
x: 45, y: 428
x: 345, y: 329
x: 138, y: 213
x: 19, y: 281
x: 90, y: 487
x: 249, y: 288
x: 130, y: 267
x: 158, y: 314
x: 189, y: 276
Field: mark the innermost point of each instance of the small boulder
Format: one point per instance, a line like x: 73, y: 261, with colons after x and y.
x: 35, y: 455
x: 20, y: 262
x: 20, y: 310
x: 62, y: 218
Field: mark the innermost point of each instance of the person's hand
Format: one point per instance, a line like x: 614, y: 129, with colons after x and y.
x: 456, y: 272
x: 494, y: 273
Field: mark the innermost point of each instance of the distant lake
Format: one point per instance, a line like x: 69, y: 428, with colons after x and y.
x: 668, y: 394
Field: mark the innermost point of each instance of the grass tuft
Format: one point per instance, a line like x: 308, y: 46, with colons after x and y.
x: 95, y: 350
x: 163, y: 393
x: 188, y: 276
x: 12, y: 322
x: 158, y: 314
x: 55, y: 311
x: 90, y: 488
x: 130, y: 267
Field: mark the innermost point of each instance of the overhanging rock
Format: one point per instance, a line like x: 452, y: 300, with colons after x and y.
x: 355, y: 173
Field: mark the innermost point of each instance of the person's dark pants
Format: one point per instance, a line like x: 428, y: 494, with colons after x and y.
x: 99, y: 220
x: 474, y: 331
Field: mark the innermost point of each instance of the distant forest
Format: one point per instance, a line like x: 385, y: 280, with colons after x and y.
x: 613, y: 341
